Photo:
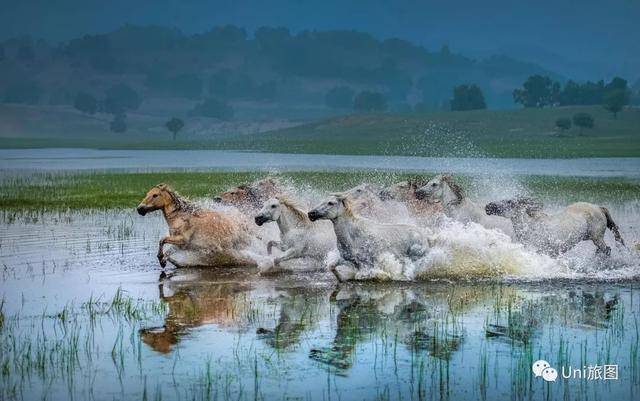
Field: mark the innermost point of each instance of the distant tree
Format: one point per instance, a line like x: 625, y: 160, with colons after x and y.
x: 616, y: 83
x: 369, y: 102
x: 583, y: 120
x: 563, y: 124
x: 120, y: 98
x: 174, y: 126
x: 86, y: 103
x: 213, y: 108
x: 615, y: 100
x: 23, y: 92
x: 467, y: 97
x: 339, y: 97
x: 616, y: 95
x: 537, y: 91
x: 118, y: 124
x: 587, y: 93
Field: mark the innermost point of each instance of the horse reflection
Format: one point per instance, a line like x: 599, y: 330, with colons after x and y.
x: 420, y: 321
x: 298, y: 314
x: 520, y: 319
x: 194, y: 304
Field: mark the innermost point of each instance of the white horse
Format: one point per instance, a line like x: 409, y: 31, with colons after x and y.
x: 443, y: 190
x: 366, y: 200
x: 299, y: 238
x: 557, y: 233
x: 361, y: 241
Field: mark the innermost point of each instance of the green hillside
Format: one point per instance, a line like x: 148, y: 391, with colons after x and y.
x: 501, y: 133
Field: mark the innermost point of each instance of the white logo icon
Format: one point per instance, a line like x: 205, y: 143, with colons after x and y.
x: 539, y: 366
x: 550, y: 374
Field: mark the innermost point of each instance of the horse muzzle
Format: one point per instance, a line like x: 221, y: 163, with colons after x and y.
x: 422, y: 194
x: 142, y: 210
x: 493, y: 208
x: 260, y: 219
x: 314, y: 215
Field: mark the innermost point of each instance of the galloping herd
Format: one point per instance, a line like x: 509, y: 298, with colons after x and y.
x: 359, y: 225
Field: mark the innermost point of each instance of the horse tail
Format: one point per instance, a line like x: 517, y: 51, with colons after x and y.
x: 611, y: 225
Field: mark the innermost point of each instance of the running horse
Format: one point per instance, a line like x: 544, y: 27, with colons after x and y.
x: 223, y: 237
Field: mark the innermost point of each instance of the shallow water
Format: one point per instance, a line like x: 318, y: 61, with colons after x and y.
x: 85, y: 316
x: 24, y: 160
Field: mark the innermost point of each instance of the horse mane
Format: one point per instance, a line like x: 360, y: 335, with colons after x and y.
x: 417, y: 182
x: 181, y: 203
x: 348, y: 208
x: 293, y: 206
x: 455, y: 188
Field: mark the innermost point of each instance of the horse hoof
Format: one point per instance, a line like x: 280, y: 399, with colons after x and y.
x: 163, y: 262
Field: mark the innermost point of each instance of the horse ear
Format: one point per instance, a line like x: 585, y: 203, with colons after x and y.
x: 162, y: 186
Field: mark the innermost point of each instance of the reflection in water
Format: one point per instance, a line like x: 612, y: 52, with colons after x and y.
x: 431, y: 340
x: 194, y: 302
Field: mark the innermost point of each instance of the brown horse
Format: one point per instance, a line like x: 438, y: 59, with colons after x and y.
x: 222, y: 237
x: 249, y: 198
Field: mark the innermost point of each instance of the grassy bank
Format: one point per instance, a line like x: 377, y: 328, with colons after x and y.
x: 124, y: 190
x: 495, y: 133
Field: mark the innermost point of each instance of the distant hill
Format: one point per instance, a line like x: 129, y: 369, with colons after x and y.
x: 268, y: 72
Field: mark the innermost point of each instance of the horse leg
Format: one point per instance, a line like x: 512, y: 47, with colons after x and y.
x: 602, y: 246
x: 171, y: 239
x: 271, y: 244
x: 290, y: 253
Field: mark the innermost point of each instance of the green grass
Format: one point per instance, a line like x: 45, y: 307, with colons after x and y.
x: 124, y: 190
x: 498, y: 133
x: 493, y: 133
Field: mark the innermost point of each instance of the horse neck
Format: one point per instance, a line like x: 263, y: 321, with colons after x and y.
x: 344, y: 227
x: 170, y: 212
x: 288, y: 220
x: 449, y: 198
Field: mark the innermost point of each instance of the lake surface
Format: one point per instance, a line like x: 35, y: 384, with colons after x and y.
x: 20, y: 160
x: 86, y: 315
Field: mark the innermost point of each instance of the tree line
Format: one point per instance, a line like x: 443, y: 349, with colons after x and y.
x: 540, y: 91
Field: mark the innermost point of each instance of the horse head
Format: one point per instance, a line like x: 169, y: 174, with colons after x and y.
x: 511, y: 207
x: 270, y: 211
x: 157, y: 198
x: 441, y: 188
x: 332, y: 208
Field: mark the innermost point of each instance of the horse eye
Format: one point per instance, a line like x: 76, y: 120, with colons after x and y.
x: 155, y: 196
x: 331, y: 203
x: 273, y: 206
x: 434, y: 185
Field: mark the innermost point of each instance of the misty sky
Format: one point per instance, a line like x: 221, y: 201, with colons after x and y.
x: 581, y: 39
